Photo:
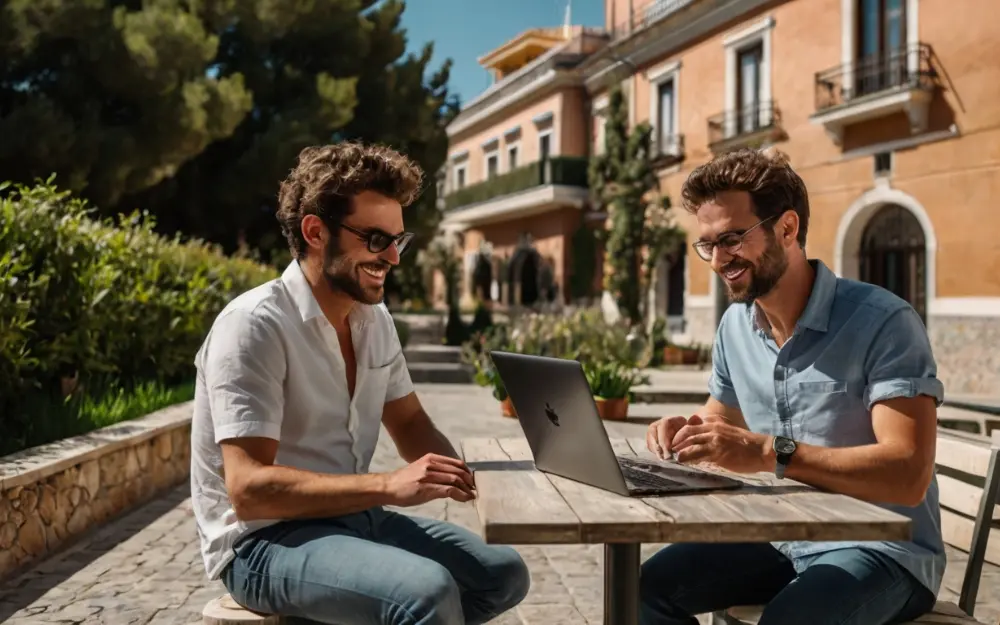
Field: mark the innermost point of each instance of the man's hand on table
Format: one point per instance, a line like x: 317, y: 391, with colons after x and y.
x: 431, y: 477
x: 709, y: 439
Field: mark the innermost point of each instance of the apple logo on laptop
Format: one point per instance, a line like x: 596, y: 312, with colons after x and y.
x: 551, y: 414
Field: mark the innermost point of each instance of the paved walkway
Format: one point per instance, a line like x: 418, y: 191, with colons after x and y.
x: 146, y: 568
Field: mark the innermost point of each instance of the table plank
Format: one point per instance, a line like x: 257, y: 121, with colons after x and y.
x: 516, y: 503
x: 771, y: 506
x: 604, y: 517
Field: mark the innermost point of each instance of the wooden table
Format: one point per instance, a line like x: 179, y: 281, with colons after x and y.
x: 518, y: 505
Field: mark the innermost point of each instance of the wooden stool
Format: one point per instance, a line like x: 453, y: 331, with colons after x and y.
x: 225, y: 611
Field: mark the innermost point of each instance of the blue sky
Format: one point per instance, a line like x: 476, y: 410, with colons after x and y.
x: 466, y: 29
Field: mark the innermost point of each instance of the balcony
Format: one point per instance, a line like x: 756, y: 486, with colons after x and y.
x: 528, y: 190
x: 645, y: 16
x: 876, y: 87
x: 667, y: 150
x: 749, y: 126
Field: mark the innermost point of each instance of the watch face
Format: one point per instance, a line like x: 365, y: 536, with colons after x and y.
x: 784, y: 445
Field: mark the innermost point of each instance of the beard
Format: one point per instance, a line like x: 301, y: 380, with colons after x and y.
x: 344, y: 275
x: 763, y: 275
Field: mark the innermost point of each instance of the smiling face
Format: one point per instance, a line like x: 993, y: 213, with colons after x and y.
x: 349, y: 265
x: 750, y: 268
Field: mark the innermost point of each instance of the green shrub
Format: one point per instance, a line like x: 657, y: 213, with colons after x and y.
x: 82, y: 297
x: 402, y: 330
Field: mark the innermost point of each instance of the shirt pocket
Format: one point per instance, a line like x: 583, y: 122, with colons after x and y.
x: 820, y: 410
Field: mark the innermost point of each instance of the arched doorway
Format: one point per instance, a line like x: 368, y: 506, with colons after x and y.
x: 523, y: 277
x: 482, y: 278
x: 893, y: 255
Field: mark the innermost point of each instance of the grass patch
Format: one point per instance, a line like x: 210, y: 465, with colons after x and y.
x: 104, y: 405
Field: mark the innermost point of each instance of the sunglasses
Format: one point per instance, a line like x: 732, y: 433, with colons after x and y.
x: 379, y: 241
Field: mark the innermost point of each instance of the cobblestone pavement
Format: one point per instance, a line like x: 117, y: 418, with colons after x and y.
x: 145, y: 568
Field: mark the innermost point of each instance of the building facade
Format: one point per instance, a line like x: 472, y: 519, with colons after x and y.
x: 887, y: 108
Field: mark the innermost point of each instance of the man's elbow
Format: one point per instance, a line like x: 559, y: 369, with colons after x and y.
x: 913, y: 492
x: 245, y: 497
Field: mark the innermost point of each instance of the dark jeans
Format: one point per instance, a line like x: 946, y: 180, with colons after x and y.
x: 844, y: 587
x: 378, y: 568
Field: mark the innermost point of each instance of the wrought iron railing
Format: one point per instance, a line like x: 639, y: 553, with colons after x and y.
x: 646, y: 15
x: 743, y: 121
x: 558, y: 170
x: 667, y: 146
x: 908, y: 68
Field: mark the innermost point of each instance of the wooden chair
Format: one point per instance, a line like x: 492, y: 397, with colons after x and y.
x: 225, y: 611
x: 961, y: 459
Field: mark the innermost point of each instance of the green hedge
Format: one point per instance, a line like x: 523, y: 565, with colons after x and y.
x: 98, y: 299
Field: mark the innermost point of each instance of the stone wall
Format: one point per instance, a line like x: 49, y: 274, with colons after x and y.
x: 967, y: 350
x: 51, y: 494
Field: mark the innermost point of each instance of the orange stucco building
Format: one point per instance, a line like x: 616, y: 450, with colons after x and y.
x: 889, y: 109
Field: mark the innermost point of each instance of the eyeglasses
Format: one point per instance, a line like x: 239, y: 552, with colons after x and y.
x: 379, y: 241
x: 730, y: 242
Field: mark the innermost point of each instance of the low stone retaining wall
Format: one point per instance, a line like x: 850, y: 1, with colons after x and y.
x: 51, y: 494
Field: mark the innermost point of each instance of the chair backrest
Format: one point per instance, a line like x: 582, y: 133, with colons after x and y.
x: 969, y: 512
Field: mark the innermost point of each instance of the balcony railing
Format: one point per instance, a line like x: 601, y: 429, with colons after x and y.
x: 557, y: 170
x: 668, y: 148
x: 647, y: 15
x: 905, y: 68
x: 743, y: 122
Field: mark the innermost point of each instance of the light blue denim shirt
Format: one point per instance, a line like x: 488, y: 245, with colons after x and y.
x: 854, y: 345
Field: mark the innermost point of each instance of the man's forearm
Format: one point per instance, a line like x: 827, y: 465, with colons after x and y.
x: 420, y: 438
x: 280, y: 492
x: 877, y: 473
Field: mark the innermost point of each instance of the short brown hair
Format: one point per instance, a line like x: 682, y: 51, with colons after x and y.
x: 773, y: 185
x: 326, y: 179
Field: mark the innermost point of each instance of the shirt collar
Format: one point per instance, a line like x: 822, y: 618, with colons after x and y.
x: 302, y: 296
x: 816, y: 315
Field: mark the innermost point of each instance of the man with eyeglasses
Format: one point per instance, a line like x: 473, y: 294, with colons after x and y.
x: 294, y: 381
x: 827, y: 381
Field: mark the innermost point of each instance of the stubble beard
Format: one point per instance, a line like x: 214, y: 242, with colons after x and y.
x: 344, y: 275
x: 764, y: 274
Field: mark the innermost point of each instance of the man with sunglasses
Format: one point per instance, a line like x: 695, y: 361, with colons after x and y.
x: 827, y: 381
x: 294, y: 381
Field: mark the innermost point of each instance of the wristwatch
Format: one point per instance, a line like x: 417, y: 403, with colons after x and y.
x: 783, y: 450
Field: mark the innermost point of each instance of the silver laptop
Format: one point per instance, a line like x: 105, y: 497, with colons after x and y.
x: 566, y: 435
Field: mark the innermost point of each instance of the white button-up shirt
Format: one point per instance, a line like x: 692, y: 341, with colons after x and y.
x: 271, y: 366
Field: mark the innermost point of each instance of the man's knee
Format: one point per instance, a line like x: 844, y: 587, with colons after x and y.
x: 509, y: 577
x: 434, y: 599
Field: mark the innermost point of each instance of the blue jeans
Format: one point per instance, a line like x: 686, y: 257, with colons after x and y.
x: 843, y: 587
x: 376, y: 567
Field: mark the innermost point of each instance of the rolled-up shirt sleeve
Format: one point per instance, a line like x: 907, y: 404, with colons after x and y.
x: 244, y: 368
x: 720, y: 384
x: 900, y: 362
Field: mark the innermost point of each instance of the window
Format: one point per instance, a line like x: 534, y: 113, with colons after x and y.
x: 880, y: 45
x: 492, y: 165
x: 749, y: 105
x: 883, y: 164
x: 460, y: 177
x: 512, y: 157
x: 748, y: 88
x: 665, y: 118
x: 544, y: 145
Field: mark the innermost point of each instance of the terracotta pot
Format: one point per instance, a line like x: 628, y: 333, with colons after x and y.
x: 507, y: 408
x: 672, y: 355
x: 689, y: 356
x: 614, y: 409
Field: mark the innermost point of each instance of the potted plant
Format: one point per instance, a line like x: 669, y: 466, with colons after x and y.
x: 610, y: 383
x: 475, y: 353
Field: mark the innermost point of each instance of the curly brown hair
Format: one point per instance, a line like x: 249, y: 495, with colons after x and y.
x: 766, y: 175
x: 326, y: 179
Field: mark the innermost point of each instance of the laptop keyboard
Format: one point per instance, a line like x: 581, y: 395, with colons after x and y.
x: 639, y: 479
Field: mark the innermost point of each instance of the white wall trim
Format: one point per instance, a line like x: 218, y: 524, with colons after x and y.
x: 734, y: 43
x: 964, y: 307
x: 463, y: 167
x: 662, y: 71
x: 506, y: 151
x: 486, y: 160
x: 600, y: 104
x: 553, y: 144
x: 852, y: 225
